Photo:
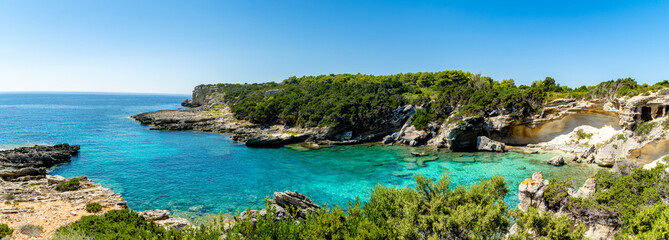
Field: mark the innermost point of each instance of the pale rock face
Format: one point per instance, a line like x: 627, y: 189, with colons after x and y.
x: 484, y: 143
x: 531, y: 193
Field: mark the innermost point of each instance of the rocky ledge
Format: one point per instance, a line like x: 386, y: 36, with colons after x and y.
x: 220, y: 119
x: 32, y: 162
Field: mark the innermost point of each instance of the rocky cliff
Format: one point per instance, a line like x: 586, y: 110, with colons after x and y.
x: 569, y: 125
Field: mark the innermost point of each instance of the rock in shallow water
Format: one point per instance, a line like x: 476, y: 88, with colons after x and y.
x: 558, y: 160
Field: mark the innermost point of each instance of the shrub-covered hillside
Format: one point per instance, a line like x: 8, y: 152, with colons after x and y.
x: 358, y: 100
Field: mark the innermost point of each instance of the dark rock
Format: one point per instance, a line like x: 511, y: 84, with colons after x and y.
x: 34, y: 161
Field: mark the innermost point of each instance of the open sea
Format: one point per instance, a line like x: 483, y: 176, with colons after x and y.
x: 194, y: 174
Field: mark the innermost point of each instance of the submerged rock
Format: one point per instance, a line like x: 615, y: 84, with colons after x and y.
x: 531, y: 151
x: 484, y: 143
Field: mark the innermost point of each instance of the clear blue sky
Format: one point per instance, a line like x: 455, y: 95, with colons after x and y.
x: 171, y: 46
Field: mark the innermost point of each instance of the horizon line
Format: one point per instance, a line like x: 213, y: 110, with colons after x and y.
x: 95, y: 92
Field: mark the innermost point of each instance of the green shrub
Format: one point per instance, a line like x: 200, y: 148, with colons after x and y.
x: 533, y: 225
x: 421, y: 119
x: 556, y: 193
x: 10, y: 197
x: 30, y: 230
x: 644, y: 129
x: 116, y: 224
x: 93, y: 207
x: 621, y: 137
x: 650, y: 223
x: 69, y: 185
x: 5, y: 230
x: 626, y: 194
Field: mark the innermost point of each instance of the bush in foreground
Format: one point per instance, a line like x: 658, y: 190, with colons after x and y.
x: 30, y: 230
x: 5, y: 230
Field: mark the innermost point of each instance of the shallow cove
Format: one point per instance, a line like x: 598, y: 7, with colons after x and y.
x: 192, y: 172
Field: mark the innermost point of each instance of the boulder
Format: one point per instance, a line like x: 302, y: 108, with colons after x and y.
x: 531, y: 192
x: 484, y: 143
x: 282, y: 203
x: 163, y: 219
x: 155, y: 215
x: 606, y: 156
x: 558, y: 160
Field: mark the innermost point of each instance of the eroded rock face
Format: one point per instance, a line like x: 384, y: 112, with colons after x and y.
x: 484, y: 143
x: 531, y: 193
x: 558, y: 160
x: 33, y: 161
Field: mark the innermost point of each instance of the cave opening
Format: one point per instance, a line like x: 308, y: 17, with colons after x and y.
x: 646, y: 114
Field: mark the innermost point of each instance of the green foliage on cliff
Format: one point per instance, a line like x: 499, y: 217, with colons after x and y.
x: 69, y: 185
x: 358, y: 99
x: 421, y: 119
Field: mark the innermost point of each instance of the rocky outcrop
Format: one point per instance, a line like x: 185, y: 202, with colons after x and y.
x: 531, y: 193
x: 202, y: 95
x: 486, y: 144
x: 283, y: 202
x: 31, y: 196
x: 163, y: 219
x: 36, y: 201
x: 27, y: 162
x: 558, y: 160
x: 600, y: 223
x: 219, y: 118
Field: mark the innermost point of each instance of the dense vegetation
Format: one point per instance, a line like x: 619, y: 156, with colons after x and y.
x: 430, y: 210
x: 358, y: 99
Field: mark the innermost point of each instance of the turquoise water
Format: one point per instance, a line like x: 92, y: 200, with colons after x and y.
x: 192, y: 172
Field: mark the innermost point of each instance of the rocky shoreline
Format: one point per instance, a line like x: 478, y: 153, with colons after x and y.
x: 31, y: 196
